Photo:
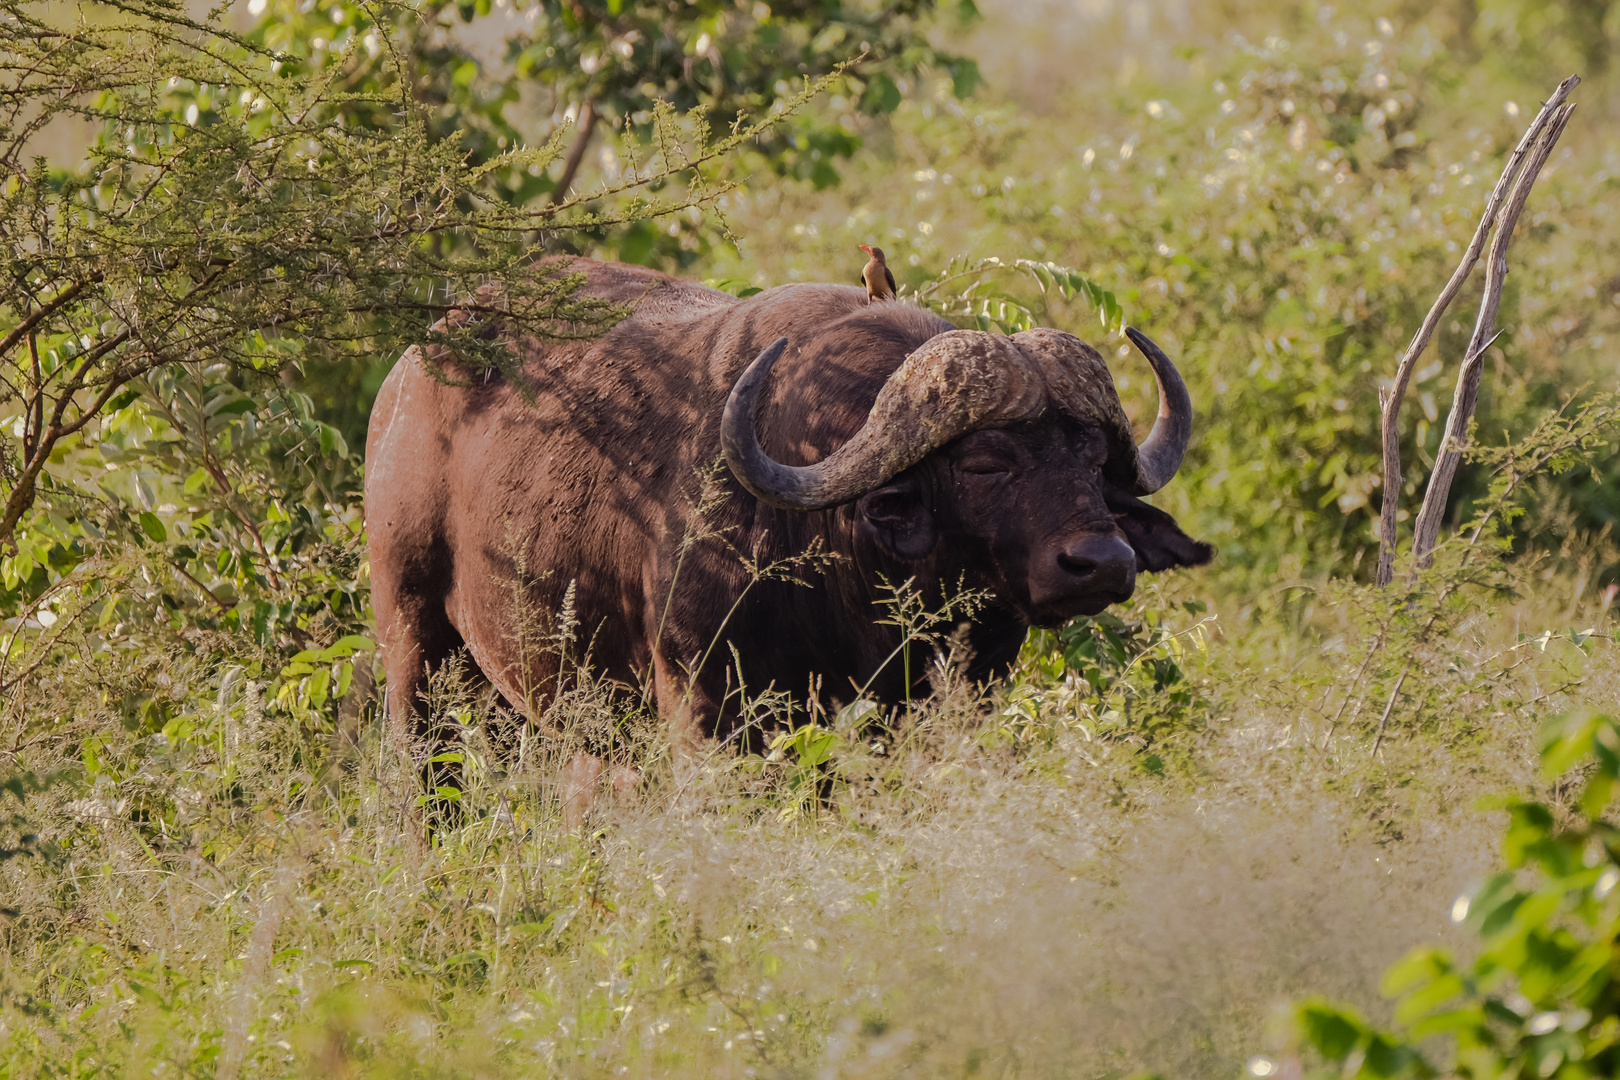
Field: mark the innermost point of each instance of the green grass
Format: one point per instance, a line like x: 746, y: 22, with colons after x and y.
x: 1001, y: 883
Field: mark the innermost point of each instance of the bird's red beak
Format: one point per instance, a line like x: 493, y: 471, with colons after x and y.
x: 866, y: 249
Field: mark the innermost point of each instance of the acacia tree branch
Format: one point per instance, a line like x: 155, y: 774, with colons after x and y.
x: 1518, y: 473
x: 1390, y: 400
x: 22, y: 492
x: 36, y: 408
x: 45, y: 311
x: 1427, y: 529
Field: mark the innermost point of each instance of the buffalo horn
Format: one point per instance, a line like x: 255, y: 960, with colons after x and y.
x: 957, y: 382
x: 1159, y: 455
x: 851, y: 471
x: 781, y: 485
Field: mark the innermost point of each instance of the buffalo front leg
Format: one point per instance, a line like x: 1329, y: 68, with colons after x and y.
x: 682, y: 707
x: 417, y: 640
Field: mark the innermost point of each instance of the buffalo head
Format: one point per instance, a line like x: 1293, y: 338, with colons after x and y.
x: 1013, y: 454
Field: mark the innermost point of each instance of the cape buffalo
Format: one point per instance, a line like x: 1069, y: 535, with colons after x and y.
x: 878, y: 438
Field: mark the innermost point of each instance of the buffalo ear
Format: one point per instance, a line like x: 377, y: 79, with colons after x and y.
x: 1157, y: 539
x: 894, y: 518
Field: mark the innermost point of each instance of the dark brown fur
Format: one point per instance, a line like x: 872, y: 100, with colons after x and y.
x: 480, y: 505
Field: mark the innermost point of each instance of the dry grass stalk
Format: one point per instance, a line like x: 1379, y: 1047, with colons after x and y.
x: 261, y: 947
x: 1517, y: 176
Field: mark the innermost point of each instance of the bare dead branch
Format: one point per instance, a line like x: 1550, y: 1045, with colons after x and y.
x: 1390, y: 400
x: 1389, y: 707
x: 1427, y: 529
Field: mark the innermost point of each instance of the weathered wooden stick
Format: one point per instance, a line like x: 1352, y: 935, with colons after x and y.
x: 1390, y: 401
x: 1427, y: 530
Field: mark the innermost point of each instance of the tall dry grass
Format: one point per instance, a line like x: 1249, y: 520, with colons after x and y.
x: 976, y: 893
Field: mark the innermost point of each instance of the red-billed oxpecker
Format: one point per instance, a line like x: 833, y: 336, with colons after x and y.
x: 877, y: 276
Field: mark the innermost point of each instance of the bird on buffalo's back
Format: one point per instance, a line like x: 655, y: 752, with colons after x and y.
x: 877, y: 276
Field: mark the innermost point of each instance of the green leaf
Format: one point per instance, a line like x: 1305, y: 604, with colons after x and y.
x: 881, y: 96
x: 1528, y: 823
x: 1386, y: 1058
x: 146, y: 993
x: 347, y: 645
x: 1493, y: 906
x: 229, y: 403
x: 1565, y: 741
x: 965, y: 76
x: 1331, y: 1031
x: 829, y: 38
x: 152, y: 525
x: 1597, y: 793
x: 1426, y: 999
x: 857, y: 713
x: 332, y: 442
x: 1417, y: 967
x: 1113, y: 316
x: 318, y: 683
x: 90, y: 756
x: 1453, y: 1022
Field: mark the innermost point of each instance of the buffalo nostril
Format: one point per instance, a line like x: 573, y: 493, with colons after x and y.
x: 1078, y: 562
x: 1106, y: 560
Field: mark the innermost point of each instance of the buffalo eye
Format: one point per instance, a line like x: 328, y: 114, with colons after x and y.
x: 1091, y: 447
x: 984, y: 466
x: 985, y: 455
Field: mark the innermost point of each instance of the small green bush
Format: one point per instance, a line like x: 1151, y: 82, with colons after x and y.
x: 1541, y: 998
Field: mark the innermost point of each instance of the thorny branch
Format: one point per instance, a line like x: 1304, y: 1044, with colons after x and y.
x: 576, y: 153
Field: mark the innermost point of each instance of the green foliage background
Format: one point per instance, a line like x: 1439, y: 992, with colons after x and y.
x: 1281, y: 209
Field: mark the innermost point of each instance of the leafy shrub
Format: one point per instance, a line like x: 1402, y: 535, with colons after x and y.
x: 1540, y: 998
